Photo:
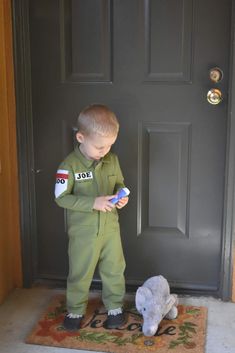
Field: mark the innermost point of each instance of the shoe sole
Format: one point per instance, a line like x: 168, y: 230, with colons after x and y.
x: 116, y: 326
x: 71, y: 329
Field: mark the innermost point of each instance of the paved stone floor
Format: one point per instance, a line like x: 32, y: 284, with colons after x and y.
x: 23, y: 307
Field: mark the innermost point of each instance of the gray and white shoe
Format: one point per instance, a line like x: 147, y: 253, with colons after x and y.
x: 116, y: 318
x: 72, y: 322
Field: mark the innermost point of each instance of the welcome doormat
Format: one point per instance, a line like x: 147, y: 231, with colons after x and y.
x: 185, y: 333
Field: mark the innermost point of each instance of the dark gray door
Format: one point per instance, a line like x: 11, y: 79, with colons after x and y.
x: 149, y: 61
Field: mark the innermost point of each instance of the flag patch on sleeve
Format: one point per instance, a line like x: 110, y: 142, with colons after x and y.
x: 61, y: 182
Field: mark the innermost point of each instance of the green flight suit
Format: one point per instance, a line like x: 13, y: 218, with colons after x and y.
x: 94, y: 236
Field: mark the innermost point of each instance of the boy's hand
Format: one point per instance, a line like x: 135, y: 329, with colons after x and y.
x: 103, y: 204
x: 122, y: 202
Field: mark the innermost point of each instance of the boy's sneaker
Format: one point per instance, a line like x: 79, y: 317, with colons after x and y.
x: 72, y: 322
x: 115, y: 320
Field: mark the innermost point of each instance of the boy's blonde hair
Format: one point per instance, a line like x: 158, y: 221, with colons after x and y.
x: 97, y: 119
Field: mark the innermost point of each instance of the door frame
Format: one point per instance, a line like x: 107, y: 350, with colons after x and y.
x: 26, y: 159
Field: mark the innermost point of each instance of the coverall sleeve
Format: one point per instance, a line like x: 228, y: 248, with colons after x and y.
x: 120, y: 180
x: 63, y: 192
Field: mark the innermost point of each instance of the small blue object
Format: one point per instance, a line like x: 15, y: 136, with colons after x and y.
x: 121, y: 193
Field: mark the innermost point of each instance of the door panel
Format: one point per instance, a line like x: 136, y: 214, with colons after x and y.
x: 168, y: 28
x: 149, y: 61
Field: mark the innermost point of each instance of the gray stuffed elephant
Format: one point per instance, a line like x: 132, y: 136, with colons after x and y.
x: 154, y: 301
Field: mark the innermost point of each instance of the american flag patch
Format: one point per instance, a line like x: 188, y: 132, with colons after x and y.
x: 63, y: 175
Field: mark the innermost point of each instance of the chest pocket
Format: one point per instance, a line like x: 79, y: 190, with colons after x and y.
x: 111, y: 183
x: 85, y: 187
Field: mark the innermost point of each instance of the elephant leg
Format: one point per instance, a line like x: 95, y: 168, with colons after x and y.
x: 172, y: 314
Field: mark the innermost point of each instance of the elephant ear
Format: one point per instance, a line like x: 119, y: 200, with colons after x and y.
x: 143, y: 296
x: 170, y: 302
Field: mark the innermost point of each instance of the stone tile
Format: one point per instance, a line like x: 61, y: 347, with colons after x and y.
x: 23, y: 308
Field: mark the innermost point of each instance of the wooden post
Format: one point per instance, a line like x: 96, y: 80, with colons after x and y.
x: 10, y: 252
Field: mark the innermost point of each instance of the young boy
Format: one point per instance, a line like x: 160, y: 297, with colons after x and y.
x: 86, y: 181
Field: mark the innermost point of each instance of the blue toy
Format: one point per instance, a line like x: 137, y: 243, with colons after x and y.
x: 121, y: 193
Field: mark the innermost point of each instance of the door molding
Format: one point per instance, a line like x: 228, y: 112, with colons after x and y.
x: 26, y: 155
x: 228, y: 244
x: 24, y: 138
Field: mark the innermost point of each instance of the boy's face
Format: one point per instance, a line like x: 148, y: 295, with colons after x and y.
x: 95, y: 146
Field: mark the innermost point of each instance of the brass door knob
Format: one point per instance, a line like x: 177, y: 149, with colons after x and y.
x: 214, y: 96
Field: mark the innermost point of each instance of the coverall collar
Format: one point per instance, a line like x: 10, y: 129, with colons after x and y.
x: 87, y: 162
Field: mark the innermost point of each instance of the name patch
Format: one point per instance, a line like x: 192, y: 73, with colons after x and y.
x: 84, y: 176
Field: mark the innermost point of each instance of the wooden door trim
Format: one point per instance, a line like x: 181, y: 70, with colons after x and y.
x: 25, y: 138
x: 10, y: 251
x: 227, y: 276
x: 26, y: 159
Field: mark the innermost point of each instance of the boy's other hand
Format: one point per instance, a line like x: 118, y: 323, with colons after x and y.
x: 122, y: 202
x: 103, y: 204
